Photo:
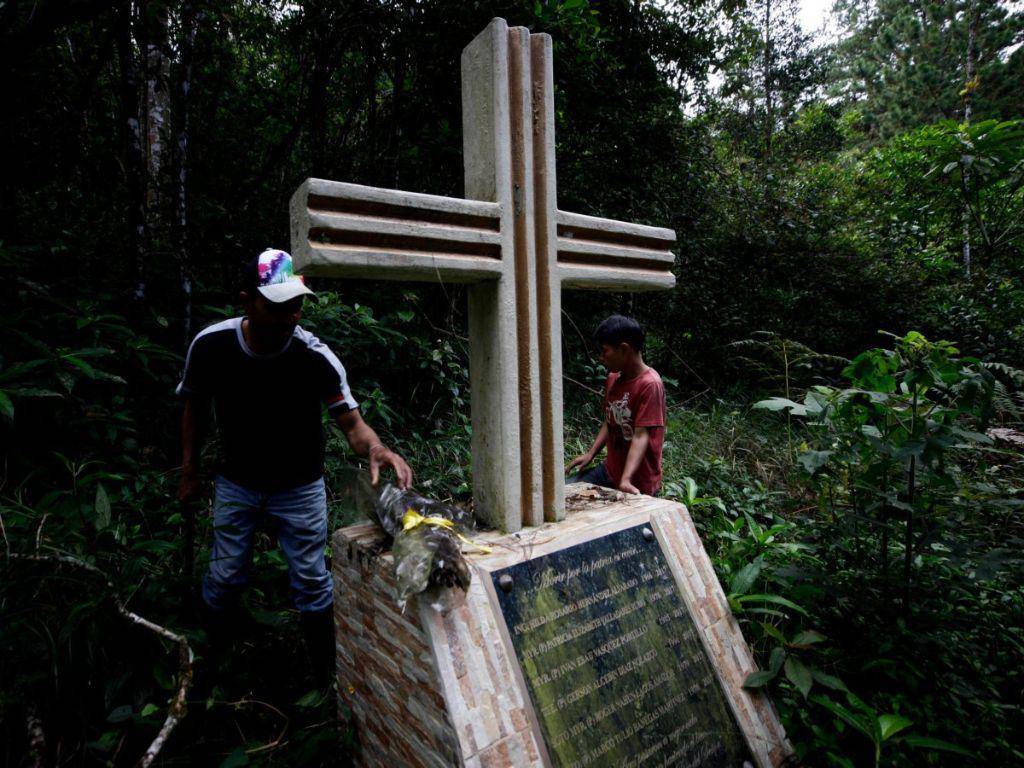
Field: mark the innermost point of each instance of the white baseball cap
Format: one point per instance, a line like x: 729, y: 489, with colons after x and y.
x: 271, y: 273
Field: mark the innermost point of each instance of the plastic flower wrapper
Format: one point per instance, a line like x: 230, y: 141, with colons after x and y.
x: 427, y: 548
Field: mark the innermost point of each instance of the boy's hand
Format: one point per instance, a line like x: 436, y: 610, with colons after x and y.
x: 627, y: 487
x: 580, y: 461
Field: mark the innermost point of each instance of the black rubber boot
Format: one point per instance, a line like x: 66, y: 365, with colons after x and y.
x: 318, y: 633
x: 222, y: 629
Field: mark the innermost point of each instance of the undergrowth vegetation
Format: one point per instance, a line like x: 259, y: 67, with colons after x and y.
x: 866, y: 532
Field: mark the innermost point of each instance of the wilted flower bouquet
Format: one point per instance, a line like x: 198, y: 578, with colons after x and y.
x: 428, y: 537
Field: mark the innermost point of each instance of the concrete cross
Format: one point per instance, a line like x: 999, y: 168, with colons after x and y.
x: 510, y: 242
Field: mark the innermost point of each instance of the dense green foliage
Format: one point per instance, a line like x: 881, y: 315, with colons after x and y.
x: 867, y: 532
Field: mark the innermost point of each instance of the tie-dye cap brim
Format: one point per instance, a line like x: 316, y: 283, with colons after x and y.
x: 275, y: 277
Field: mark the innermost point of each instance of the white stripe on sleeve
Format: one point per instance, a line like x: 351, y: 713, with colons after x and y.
x: 315, y: 345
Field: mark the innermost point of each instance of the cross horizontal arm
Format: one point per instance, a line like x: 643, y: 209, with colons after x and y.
x: 609, y: 254
x: 348, y: 230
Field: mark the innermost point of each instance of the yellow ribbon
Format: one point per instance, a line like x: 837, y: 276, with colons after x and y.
x: 413, y: 519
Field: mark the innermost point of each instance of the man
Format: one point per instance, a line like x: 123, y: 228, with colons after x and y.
x: 269, y: 380
x: 634, y: 405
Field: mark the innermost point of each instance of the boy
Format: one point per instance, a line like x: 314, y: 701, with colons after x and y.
x: 634, y: 405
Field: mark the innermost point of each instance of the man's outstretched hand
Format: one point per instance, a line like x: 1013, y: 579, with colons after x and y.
x: 580, y: 461
x: 385, y: 457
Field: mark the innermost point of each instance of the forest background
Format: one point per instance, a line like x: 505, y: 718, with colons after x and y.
x: 860, y: 493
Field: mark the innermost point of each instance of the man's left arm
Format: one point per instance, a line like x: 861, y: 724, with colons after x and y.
x: 365, y: 442
x: 637, y: 448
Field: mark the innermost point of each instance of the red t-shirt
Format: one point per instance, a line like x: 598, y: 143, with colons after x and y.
x: 631, y: 403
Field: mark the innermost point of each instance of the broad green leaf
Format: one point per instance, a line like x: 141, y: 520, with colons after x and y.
x: 779, y: 403
x: 120, y: 714
x: 91, y: 371
x: 745, y: 578
x: 102, y: 507
x: 776, y: 599
x: 927, y: 742
x: 311, y: 699
x: 34, y: 392
x: 829, y: 681
x: 845, y: 715
x: 149, y: 709
x: 799, y: 675
x: 691, y: 489
x: 91, y: 352
x: 807, y: 637
x: 760, y: 612
x: 841, y: 762
x: 890, y: 725
x: 19, y: 369
x: 753, y: 525
x: 6, y: 406
x: 773, y: 631
x: 235, y: 759
x: 759, y: 679
x: 813, y: 460
x: 776, y: 659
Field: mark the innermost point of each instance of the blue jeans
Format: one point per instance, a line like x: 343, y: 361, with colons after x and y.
x: 301, y: 514
x: 597, y: 475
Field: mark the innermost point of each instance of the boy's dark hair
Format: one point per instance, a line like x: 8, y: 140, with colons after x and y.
x: 617, y: 329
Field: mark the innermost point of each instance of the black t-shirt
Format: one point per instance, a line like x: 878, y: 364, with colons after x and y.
x: 269, y: 407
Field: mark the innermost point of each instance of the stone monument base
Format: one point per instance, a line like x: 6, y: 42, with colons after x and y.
x: 431, y: 690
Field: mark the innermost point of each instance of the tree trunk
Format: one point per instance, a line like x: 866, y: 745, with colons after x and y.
x: 972, y: 31
x: 134, y: 159
x: 766, y: 75
x: 158, y: 108
x: 189, y: 22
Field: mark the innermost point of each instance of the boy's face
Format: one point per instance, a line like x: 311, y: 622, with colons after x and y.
x: 614, y: 357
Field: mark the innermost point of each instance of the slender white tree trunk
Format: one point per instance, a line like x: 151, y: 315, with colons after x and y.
x: 157, y: 106
x: 186, y: 46
x: 134, y: 159
x: 968, y: 93
x: 766, y: 74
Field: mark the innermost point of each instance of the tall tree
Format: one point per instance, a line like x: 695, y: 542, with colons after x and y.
x: 770, y: 67
x: 188, y: 20
x: 134, y: 163
x: 970, y: 83
x: 905, y: 62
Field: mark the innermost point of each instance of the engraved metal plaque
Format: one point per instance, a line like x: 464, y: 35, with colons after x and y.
x: 615, y: 669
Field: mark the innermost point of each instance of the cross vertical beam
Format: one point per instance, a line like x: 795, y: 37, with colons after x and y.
x: 501, y: 313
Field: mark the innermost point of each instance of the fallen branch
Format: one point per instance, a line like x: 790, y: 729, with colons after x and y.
x: 179, y: 705
x: 256, y: 702
x: 587, y: 387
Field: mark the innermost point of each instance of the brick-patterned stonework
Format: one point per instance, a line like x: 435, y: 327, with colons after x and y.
x: 386, y: 674
x: 432, y: 690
